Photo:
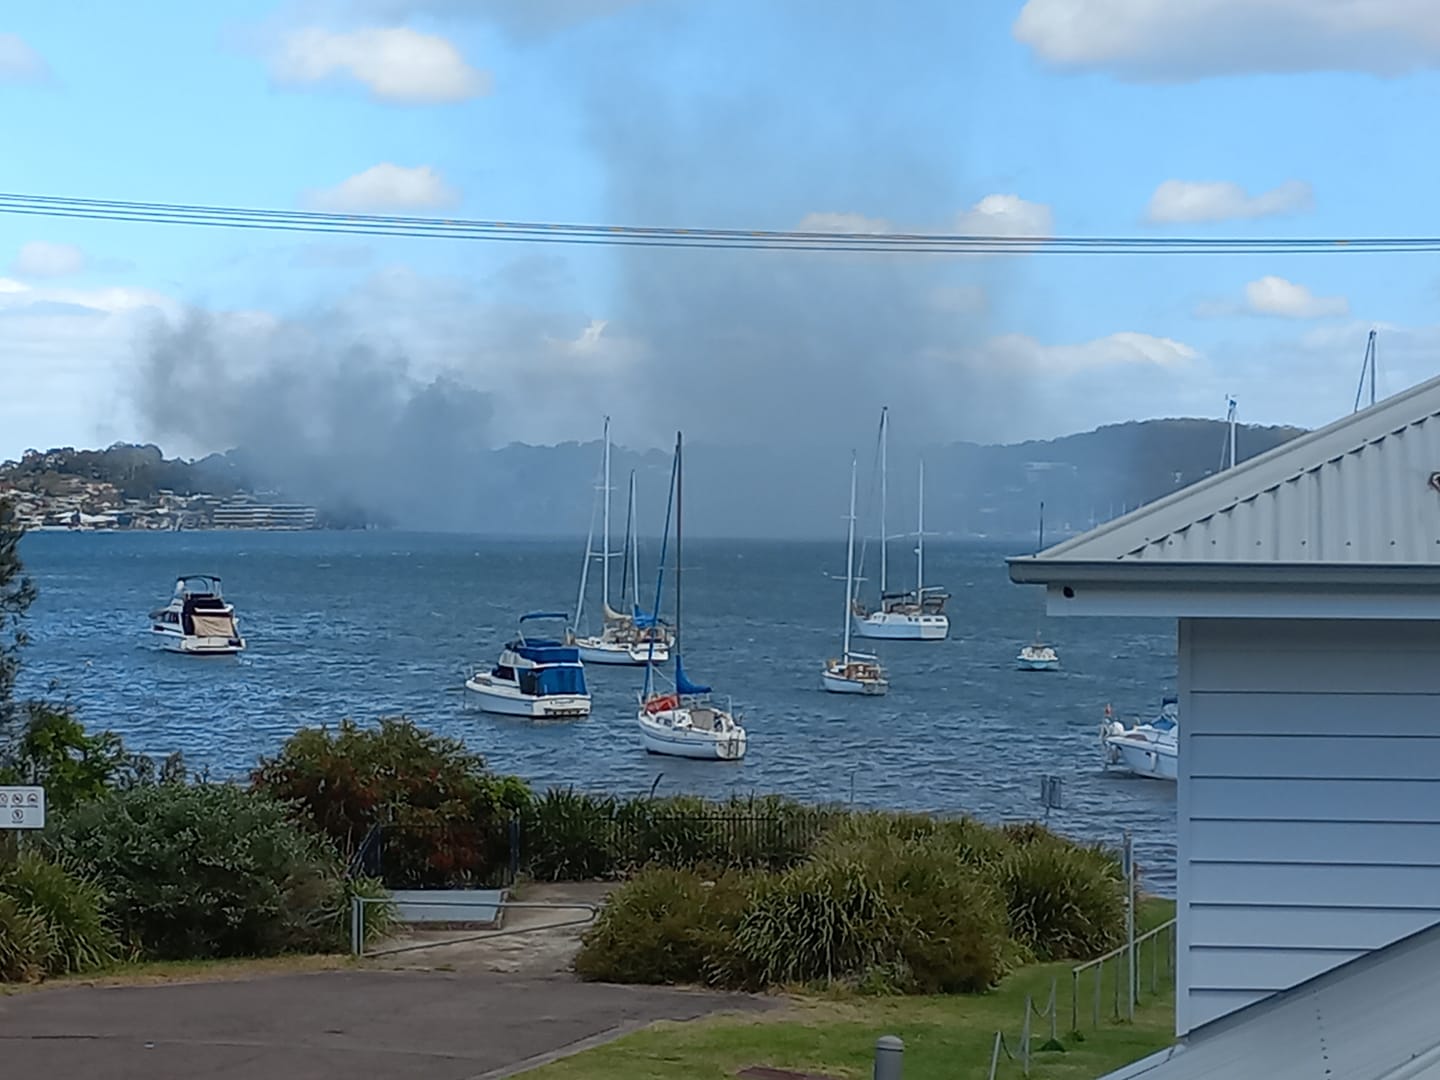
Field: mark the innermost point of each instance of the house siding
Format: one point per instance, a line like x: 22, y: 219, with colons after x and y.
x: 1308, y: 817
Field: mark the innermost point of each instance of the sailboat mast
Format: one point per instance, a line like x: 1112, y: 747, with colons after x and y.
x: 605, y: 539
x: 679, y: 518
x: 850, y: 561
x: 884, y: 493
x: 920, y: 544
x: 632, y: 528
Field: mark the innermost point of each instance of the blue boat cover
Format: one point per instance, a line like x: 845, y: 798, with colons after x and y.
x: 684, y: 685
x: 560, y: 680
x: 644, y: 619
x: 542, y: 651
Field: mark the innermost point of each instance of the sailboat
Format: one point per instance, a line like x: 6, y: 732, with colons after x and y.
x: 1038, y: 656
x: 684, y: 723
x: 918, y: 615
x: 622, y: 638
x: 853, y: 673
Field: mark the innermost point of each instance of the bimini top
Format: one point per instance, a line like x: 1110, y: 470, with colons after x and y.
x: 197, y: 585
x: 1355, y: 503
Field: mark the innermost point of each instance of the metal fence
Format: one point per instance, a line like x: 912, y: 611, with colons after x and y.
x: 457, y: 855
x: 1123, y: 975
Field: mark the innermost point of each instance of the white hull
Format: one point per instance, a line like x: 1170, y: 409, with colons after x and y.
x: 838, y: 684
x: 677, y: 739
x: 615, y: 653
x: 894, y: 626
x: 1037, y: 665
x: 1153, y: 760
x: 197, y: 646
x: 506, y: 700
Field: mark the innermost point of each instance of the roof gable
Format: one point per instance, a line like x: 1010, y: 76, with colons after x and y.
x: 1365, y: 489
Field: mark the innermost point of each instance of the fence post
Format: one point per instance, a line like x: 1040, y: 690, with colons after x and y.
x: 355, y: 942
x: 514, y: 838
x: 1025, y: 1039
x: 1074, y: 999
x: 1054, y: 1010
x: 1129, y: 925
x: 995, y: 1054
x: 1099, y: 980
x: 889, y: 1058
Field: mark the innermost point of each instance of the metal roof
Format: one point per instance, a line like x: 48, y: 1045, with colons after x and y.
x: 1363, y: 492
x: 1373, y: 1018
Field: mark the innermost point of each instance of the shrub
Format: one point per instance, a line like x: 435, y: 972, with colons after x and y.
x: 570, y: 836
x: 879, y: 913
x: 1065, y: 901
x: 53, y: 749
x: 24, y: 946
x: 208, y: 870
x: 665, y: 926
x: 70, y: 910
x: 346, y: 780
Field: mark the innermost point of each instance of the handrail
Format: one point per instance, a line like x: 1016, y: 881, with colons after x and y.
x: 1133, y: 949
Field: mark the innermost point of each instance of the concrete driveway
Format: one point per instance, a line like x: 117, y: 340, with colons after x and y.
x: 356, y: 1025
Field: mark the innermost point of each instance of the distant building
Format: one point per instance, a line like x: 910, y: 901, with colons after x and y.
x: 244, y: 514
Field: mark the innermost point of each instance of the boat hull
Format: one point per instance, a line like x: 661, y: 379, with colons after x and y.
x: 838, y: 684
x: 510, y: 702
x: 894, y: 626
x: 1037, y: 665
x: 1143, y: 757
x: 658, y: 738
x: 621, y: 655
x: 198, y: 646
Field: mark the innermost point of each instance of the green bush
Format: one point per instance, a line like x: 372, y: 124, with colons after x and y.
x: 882, y: 913
x: 208, y: 870
x: 346, y: 780
x: 70, y: 909
x: 25, y: 947
x: 51, y: 748
x: 665, y: 926
x: 570, y: 836
x: 1065, y: 901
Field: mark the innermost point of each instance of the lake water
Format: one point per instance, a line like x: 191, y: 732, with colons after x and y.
x: 380, y: 623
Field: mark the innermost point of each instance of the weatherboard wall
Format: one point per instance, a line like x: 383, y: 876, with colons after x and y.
x: 1309, y: 801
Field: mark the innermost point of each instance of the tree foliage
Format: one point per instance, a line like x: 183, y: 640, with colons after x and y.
x: 17, y: 593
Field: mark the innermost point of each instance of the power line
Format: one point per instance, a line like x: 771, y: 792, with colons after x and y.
x: 304, y: 221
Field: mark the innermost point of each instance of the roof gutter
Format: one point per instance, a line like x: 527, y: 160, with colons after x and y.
x: 1139, y: 573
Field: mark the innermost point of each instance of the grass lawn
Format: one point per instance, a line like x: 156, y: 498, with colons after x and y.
x: 948, y: 1037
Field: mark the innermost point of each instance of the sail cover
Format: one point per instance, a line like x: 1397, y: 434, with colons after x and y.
x: 683, y: 685
x: 643, y: 618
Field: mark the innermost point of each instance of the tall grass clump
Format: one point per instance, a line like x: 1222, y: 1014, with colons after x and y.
x: 71, y: 911
x: 1065, y: 901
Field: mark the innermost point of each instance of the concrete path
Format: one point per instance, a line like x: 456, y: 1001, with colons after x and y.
x: 349, y: 1025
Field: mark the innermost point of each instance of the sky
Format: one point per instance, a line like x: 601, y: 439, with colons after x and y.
x: 1041, y: 118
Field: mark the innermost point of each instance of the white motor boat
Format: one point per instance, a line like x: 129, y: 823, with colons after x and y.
x: 536, y: 677
x: 1148, y: 749
x: 916, y: 615
x: 684, y: 723
x: 853, y: 673
x: 198, y: 621
x: 1037, y: 657
x: 627, y: 640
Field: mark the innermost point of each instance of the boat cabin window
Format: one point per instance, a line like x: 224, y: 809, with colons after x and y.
x: 502, y: 672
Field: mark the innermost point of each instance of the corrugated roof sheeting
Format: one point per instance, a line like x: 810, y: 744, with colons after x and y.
x: 1372, y: 505
x: 1374, y: 1018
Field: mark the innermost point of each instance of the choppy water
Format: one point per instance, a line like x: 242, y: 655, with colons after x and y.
x: 370, y: 624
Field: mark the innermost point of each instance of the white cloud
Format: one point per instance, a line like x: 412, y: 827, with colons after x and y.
x: 994, y: 215
x: 396, y: 64
x: 1181, y: 40
x: 40, y: 258
x: 1271, y: 295
x: 19, y: 62
x: 1221, y: 200
x: 1005, y: 215
x: 386, y: 187
x: 1012, y: 353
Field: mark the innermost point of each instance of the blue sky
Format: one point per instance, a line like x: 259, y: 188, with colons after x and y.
x: 1233, y: 118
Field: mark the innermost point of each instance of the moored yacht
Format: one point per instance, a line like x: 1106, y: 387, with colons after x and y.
x: 1150, y: 749
x: 538, y: 677
x: 853, y: 672
x: 198, y: 621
